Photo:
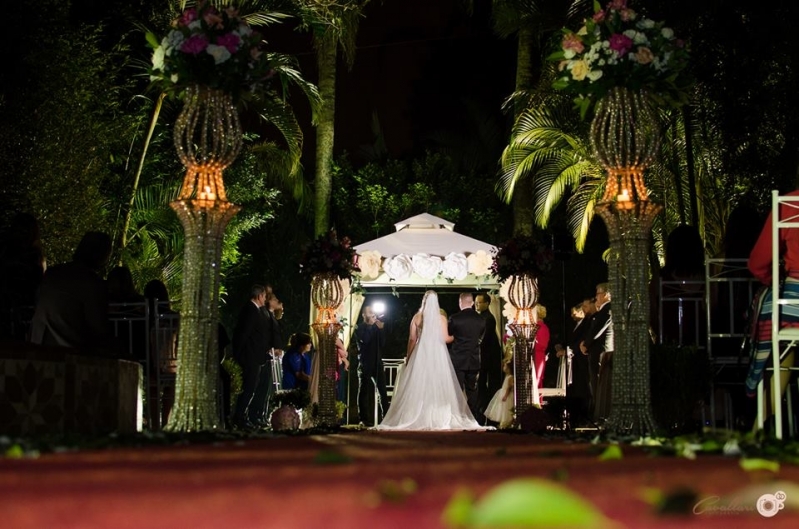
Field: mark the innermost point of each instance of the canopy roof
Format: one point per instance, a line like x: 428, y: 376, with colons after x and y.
x: 431, y: 235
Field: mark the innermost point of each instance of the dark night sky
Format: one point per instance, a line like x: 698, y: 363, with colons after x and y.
x: 415, y: 60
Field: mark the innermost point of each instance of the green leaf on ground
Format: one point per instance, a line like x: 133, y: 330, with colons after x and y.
x: 528, y: 502
x: 611, y: 452
x: 750, y: 464
x: 328, y: 457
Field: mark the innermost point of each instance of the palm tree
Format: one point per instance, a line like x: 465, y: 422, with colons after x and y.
x: 549, y: 148
x: 334, y: 24
x: 533, y: 22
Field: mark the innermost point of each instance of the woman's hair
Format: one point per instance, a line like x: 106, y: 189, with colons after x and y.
x: 120, y: 283
x: 541, y: 311
x: 508, y: 364
x: 299, y: 340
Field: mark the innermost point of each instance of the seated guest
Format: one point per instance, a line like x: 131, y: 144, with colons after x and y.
x: 296, y: 365
x: 72, y: 310
x: 121, y: 288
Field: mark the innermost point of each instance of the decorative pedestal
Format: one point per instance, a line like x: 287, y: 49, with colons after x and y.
x: 523, y: 295
x: 629, y: 229
x: 207, y: 138
x: 327, y: 294
x: 524, y: 385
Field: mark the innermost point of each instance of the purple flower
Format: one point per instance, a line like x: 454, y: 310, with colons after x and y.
x: 195, y: 44
x: 620, y: 43
x: 229, y: 41
x: 188, y: 16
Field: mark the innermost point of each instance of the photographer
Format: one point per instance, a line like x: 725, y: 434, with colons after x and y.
x: 370, y: 339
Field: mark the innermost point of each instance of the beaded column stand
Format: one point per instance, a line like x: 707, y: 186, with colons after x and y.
x: 208, y: 139
x: 327, y: 294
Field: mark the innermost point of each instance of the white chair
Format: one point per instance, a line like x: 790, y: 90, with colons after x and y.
x: 785, y: 215
x: 563, y: 375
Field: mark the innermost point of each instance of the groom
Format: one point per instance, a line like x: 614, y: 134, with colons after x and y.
x: 468, y: 328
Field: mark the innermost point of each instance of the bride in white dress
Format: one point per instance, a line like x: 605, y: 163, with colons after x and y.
x: 428, y: 395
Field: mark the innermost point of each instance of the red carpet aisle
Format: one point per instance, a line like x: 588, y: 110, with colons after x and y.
x: 308, y: 482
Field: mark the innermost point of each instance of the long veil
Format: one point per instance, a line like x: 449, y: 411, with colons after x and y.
x: 429, y: 396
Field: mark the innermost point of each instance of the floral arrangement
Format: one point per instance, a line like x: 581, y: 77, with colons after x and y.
x: 211, y: 48
x: 329, y: 254
x: 617, y: 47
x: 522, y: 255
x: 298, y: 398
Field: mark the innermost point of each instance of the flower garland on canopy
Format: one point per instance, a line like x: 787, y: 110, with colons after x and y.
x: 212, y: 48
x: 617, y: 47
x: 455, y: 266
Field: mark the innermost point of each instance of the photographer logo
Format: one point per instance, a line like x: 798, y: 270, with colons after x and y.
x: 770, y: 504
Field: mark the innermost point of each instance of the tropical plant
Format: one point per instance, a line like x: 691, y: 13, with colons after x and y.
x: 550, y: 147
x: 334, y: 24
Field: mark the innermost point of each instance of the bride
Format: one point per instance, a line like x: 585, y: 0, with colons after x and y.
x: 428, y: 395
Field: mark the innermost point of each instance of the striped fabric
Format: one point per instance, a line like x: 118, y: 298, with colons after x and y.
x: 762, y: 332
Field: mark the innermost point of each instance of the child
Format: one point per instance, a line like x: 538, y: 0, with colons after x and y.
x: 500, y: 409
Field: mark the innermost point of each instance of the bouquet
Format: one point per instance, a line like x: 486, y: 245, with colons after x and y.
x: 329, y: 254
x: 522, y: 255
x: 617, y: 47
x: 211, y: 48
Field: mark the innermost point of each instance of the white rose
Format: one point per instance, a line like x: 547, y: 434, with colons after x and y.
x: 593, y: 75
x: 667, y: 33
x: 480, y: 263
x: 398, y: 267
x: 455, y: 266
x: 369, y: 263
x: 568, y: 54
x: 172, y: 41
x: 219, y: 53
x: 195, y: 24
x: 173, y: 78
x: 426, y: 266
x: 158, y: 58
x: 646, y: 23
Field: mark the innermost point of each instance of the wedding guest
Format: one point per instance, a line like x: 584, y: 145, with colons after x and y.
x: 72, y: 309
x: 250, y: 344
x: 23, y: 265
x: 500, y: 408
x: 578, y: 393
x: 121, y: 288
x: 541, y: 344
x: 296, y: 364
x: 598, y: 344
x: 259, y: 409
x: 490, y: 378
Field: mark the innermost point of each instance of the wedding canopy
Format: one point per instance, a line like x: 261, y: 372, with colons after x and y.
x: 426, y: 251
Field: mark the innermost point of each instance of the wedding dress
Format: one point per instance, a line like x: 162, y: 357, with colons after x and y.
x: 428, y: 395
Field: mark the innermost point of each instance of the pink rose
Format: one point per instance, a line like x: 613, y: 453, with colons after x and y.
x: 644, y: 55
x: 599, y: 17
x: 627, y: 15
x: 571, y: 42
x: 188, y: 16
x: 229, y: 41
x: 213, y: 19
x: 195, y: 44
x: 620, y: 43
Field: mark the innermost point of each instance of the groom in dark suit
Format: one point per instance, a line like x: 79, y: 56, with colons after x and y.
x: 468, y: 329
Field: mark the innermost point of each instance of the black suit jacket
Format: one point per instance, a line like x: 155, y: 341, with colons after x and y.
x: 251, y: 336
x: 596, y: 336
x: 490, y: 350
x: 468, y: 327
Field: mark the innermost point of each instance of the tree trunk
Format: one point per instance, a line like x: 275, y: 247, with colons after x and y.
x: 139, y: 169
x: 326, y: 61
x: 689, y: 157
x: 523, y: 202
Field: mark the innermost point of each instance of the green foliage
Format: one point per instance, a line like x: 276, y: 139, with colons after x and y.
x: 63, y: 132
x: 368, y: 200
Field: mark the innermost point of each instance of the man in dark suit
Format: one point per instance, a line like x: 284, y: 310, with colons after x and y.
x: 490, y: 377
x: 259, y: 408
x: 598, y: 337
x: 468, y: 328
x: 250, y: 344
